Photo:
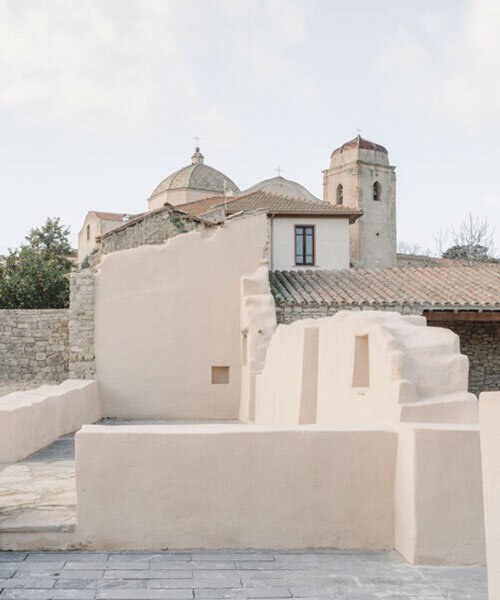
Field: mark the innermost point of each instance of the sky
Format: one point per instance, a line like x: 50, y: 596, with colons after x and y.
x: 102, y: 99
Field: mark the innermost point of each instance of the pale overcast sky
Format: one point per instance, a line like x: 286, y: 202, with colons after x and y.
x: 101, y: 99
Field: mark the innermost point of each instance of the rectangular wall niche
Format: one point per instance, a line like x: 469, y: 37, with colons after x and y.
x: 361, y: 369
x: 220, y: 374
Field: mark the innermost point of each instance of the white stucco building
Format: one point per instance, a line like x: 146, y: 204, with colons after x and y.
x: 96, y: 223
x: 302, y: 233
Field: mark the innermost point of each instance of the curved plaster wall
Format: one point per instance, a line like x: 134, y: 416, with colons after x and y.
x: 362, y: 368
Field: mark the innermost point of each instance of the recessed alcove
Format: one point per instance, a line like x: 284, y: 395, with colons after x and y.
x: 361, y: 368
x: 220, y: 374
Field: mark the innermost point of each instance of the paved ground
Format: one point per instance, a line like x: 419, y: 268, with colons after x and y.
x: 39, y: 492
x: 232, y: 575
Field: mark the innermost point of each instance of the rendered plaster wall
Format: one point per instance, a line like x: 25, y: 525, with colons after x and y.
x: 33, y: 419
x: 166, y: 314
x: 331, y: 243
x: 258, y: 324
x: 289, y: 399
x: 235, y: 486
x: 364, y: 368
x: 489, y: 423
x: 438, y: 495
x: 34, y: 345
x: 479, y: 341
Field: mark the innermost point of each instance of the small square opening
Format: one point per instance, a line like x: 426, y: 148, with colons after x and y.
x: 220, y: 374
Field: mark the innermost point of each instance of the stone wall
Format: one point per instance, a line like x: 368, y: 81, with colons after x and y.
x: 290, y: 314
x: 81, y: 325
x: 153, y: 228
x: 480, y: 341
x: 34, y: 345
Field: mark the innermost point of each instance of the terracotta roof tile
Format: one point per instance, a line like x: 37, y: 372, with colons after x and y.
x: 475, y: 287
x: 108, y: 216
x: 359, y: 142
x: 270, y: 202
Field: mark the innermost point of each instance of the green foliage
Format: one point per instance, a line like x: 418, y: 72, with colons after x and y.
x: 469, y: 253
x: 178, y: 223
x: 51, y: 240
x: 28, y: 279
x: 36, y: 274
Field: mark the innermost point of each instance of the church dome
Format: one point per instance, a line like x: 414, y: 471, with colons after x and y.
x: 359, y: 143
x: 197, y: 176
x: 283, y: 187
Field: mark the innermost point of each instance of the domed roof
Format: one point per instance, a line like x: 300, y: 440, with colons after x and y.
x: 283, y: 187
x: 359, y: 142
x: 197, y: 176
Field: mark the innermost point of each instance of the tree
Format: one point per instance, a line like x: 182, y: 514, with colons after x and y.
x: 35, y: 274
x: 51, y: 239
x: 28, y: 279
x: 468, y: 253
x: 472, y: 242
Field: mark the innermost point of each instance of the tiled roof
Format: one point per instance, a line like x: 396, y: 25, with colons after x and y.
x: 200, y: 207
x: 359, y: 142
x: 272, y: 203
x: 476, y: 287
x: 108, y: 216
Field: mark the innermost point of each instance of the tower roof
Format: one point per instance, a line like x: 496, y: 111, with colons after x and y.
x: 360, y: 143
x: 284, y: 187
x: 197, y: 176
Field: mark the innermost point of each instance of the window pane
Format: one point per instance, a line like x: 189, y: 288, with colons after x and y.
x: 309, y: 244
x: 299, y: 245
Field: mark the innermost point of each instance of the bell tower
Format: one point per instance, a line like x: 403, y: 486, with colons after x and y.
x: 361, y: 177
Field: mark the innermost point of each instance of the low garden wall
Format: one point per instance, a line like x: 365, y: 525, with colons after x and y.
x: 33, y: 419
x: 235, y: 486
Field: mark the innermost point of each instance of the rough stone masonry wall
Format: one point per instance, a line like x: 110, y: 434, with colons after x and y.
x: 155, y: 228
x: 34, y: 345
x: 289, y: 314
x: 480, y: 341
x: 81, y: 325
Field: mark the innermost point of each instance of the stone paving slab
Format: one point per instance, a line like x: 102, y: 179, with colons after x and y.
x: 238, y: 575
x: 38, y: 493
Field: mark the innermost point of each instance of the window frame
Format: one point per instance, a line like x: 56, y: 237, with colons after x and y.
x: 376, y: 189
x: 304, y: 264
